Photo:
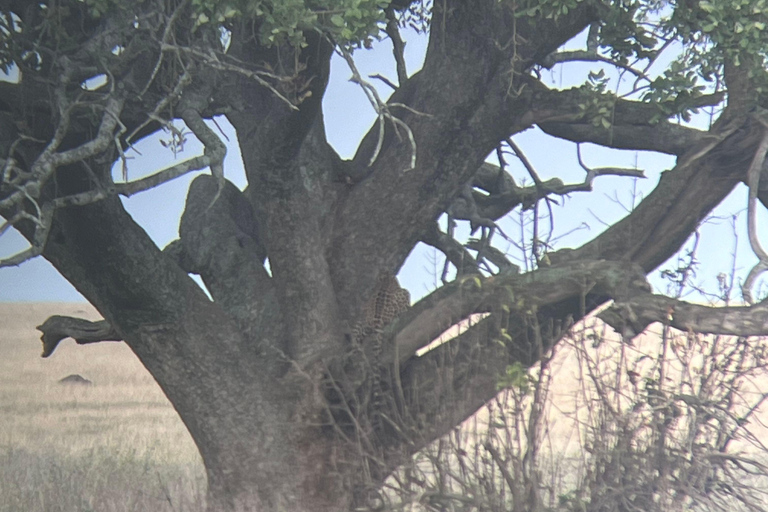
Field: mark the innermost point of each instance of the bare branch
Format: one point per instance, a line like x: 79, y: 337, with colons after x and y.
x: 501, y: 200
x: 21, y: 257
x: 384, y: 79
x: 382, y: 110
x: 588, y: 56
x: 753, y: 181
x: 452, y: 249
x: 398, y: 47
x: 213, y: 61
x: 524, y: 160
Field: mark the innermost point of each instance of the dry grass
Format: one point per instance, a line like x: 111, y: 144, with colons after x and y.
x: 116, y: 445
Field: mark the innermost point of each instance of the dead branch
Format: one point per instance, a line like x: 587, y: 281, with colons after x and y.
x: 57, y: 327
x: 382, y: 111
x: 753, y: 181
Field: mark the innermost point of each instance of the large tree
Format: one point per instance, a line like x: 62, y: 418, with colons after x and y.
x: 297, y: 394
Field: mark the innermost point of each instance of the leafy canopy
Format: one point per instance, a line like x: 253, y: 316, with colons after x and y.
x: 280, y: 21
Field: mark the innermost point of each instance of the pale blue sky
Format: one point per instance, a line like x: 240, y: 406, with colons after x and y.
x: 348, y: 116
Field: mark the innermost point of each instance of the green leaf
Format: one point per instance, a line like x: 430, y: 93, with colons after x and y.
x: 337, y: 20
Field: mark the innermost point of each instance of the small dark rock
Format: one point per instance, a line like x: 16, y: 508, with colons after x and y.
x: 75, y: 379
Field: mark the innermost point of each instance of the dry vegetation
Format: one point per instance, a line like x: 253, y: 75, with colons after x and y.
x: 116, y: 445
x: 671, y: 422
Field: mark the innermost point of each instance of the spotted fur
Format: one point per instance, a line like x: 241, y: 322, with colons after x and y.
x: 388, y: 302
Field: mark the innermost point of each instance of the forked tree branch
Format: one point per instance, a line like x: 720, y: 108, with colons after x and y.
x: 493, y: 83
x: 663, y: 221
x: 497, y: 203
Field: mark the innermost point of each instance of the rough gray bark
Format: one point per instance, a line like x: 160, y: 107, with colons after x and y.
x: 257, y: 373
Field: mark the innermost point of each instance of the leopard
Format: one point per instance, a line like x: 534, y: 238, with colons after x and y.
x: 387, y: 303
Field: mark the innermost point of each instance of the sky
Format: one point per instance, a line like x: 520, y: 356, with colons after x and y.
x: 348, y: 115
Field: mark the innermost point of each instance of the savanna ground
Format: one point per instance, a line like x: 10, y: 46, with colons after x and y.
x: 117, y: 445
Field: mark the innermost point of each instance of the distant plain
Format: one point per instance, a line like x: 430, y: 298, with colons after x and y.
x: 116, y: 445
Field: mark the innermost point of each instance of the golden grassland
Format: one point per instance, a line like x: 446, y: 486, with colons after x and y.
x: 116, y: 445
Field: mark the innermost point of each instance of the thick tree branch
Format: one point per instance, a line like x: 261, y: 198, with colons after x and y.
x: 535, y: 309
x: 223, y: 242
x: 631, y: 317
x: 449, y: 305
x: 664, y: 137
x: 634, y: 124
x: 274, y: 130
x: 553, y: 103
x: 291, y: 170
x: 57, y: 327
x: 450, y: 383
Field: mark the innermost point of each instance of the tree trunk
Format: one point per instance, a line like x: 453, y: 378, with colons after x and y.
x: 259, y: 422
